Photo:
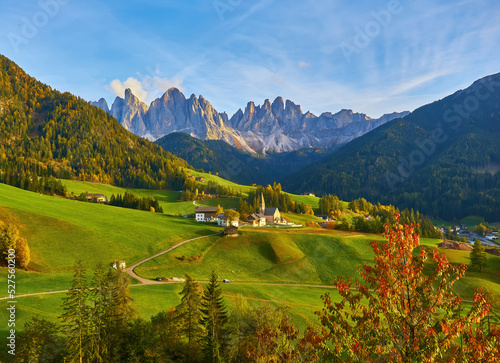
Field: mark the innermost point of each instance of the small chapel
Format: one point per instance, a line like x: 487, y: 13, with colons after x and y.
x: 272, y: 215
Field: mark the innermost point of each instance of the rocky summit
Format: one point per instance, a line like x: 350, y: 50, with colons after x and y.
x: 280, y: 126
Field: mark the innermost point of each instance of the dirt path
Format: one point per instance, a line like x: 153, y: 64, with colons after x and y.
x: 131, y: 272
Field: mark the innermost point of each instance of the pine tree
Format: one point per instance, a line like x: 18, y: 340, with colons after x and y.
x: 189, y: 316
x: 119, y: 312
x: 478, y: 257
x: 100, y: 329
x: 214, y: 320
x: 75, y: 320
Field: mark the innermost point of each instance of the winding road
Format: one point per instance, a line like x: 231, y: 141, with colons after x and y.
x: 131, y: 272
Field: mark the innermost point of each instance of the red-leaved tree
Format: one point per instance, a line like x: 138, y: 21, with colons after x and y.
x: 401, y: 314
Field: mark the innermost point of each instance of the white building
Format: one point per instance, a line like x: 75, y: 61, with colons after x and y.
x: 223, y: 221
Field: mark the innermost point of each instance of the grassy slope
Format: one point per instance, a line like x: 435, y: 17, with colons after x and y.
x: 55, y: 226
x: 167, y: 199
x: 270, y: 257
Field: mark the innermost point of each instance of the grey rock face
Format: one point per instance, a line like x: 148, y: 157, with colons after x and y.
x: 278, y: 126
x: 102, y: 104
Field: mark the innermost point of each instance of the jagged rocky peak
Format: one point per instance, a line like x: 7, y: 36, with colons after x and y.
x: 102, y: 104
x: 250, y: 107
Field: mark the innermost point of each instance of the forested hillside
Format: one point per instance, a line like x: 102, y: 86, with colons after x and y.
x: 443, y: 159
x: 236, y: 165
x: 47, y: 133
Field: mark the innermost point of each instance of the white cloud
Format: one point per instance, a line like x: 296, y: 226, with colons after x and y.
x: 146, y: 89
x: 118, y: 87
x: 303, y: 64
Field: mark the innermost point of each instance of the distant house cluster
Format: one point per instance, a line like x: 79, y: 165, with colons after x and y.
x: 209, y: 214
x: 197, y: 178
x: 491, y: 236
x: 455, y: 229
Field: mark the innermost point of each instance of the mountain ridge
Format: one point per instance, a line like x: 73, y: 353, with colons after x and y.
x: 280, y: 126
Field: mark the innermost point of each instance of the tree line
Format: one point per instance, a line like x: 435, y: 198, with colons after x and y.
x: 133, y: 201
x: 378, y: 215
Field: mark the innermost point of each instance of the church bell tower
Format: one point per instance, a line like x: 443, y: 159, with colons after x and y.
x: 262, y: 204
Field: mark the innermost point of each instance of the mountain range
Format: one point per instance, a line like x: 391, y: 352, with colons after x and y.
x: 443, y: 159
x: 280, y: 126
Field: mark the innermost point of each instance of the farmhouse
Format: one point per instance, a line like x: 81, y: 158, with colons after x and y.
x: 257, y: 220
x: 101, y: 198
x: 272, y: 215
x: 197, y: 178
x: 309, y: 194
x: 224, y: 221
x: 205, y: 214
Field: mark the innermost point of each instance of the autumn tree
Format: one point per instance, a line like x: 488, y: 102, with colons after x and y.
x: 167, y: 337
x: 231, y: 215
x: 400, y: 314
x: 219, y: 210
x: 274, y: 336
x: 189, y: 317
x: 478, y: 257
x: 11, y: 240
x: 214, y: 320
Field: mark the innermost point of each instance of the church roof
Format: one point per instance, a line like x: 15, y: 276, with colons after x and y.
x: 271, y: 211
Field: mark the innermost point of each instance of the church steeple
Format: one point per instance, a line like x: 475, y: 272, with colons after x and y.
x: 262, y: 204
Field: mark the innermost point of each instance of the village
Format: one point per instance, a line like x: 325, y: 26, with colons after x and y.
x: 230, y: 220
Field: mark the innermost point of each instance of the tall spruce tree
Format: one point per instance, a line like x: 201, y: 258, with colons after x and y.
x: 478, y: 257
x: 214, y: 320
x: 190, y: 316
x: 100, y: 322
x: 75, y: 319
x: 119, y: 312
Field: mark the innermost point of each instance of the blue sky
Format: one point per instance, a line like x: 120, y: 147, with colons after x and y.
x: 370, y: 56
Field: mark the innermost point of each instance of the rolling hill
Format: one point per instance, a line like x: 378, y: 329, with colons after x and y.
x: 443, y: 159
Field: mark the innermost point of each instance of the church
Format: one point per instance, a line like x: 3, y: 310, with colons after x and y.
x: 272, y: 215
